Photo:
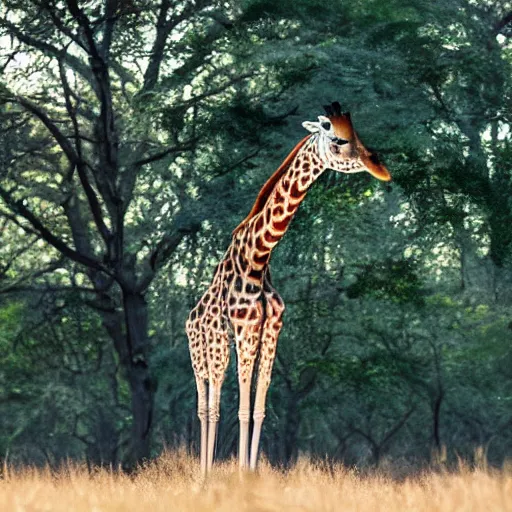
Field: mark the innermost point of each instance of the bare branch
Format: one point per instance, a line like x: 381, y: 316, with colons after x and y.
x: 237, y: 163
x: 217, y: 90
x: 10, y: 57
x: 70, y: 108
x: 82, y: 137
x: 14, y: 220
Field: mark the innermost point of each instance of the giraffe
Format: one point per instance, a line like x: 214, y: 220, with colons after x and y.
x: 241, y: 302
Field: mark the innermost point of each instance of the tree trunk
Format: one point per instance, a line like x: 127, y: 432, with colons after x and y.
x: 436, y: 419
x: 137, y: 371
x: 477, y: 272
x: 129, y: 333
x: 291, y: 431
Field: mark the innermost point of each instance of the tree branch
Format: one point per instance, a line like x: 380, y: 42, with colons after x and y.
x: 60, y: 138
x: 19, y: 208
x: 397, y: 427
x: 110, y: 20
x: 80, y: 164
x: 14, y: 220
x: 44, y: 289
x: 100, y: 70
x: 51, y: 9
x: 217, y: 90
x: 186, y: 146
x: 47, y: 49
x: 184, y: 225
x: 164, y: 27
x: 16, y: 285
x: 502, y: 23
x: 234, y: 165
x: 84, y: 22
x: 4, y: 267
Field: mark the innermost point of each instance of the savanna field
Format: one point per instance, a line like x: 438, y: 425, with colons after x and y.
x: 173, y: 483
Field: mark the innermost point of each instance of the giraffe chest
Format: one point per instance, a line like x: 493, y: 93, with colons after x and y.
x: 242, y: 289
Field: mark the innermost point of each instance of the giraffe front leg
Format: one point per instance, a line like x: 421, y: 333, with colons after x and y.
x: 270, y: 334
x: 213, y: 418
x: 244, y: 414
x: 202, y: 413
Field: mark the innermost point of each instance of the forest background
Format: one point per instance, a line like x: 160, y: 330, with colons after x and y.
x: 134, y: 136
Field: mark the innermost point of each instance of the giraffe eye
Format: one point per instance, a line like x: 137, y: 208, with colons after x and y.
x: 326, y: 125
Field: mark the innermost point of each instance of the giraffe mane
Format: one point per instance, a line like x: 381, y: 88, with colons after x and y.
x: 267, y: 188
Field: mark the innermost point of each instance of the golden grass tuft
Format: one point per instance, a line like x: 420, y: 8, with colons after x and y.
x: 173, y: 483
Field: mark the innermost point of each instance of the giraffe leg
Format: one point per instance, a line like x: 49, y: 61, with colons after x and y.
x: 213, y: 418
x: 218, y: 360
x: 202, y: 412
x: 197, y: 347
x: 270, y: 334
x: 247, y: 345
x: 244, y: 414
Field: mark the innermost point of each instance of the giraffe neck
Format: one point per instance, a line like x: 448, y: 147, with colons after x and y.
x: 258, y: 236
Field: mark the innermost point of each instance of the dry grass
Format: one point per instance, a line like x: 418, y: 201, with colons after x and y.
x: 172, y: 483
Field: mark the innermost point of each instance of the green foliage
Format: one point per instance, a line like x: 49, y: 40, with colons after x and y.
x: 388, y: 279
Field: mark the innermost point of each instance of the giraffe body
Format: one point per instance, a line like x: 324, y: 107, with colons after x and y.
x: 241, y: 303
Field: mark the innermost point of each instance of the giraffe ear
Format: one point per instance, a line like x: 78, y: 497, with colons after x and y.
x: 311, y: 126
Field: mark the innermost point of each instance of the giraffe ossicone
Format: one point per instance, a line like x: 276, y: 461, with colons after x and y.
x: 241, y: 302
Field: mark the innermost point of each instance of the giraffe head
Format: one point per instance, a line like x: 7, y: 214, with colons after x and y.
x: 339, y: 146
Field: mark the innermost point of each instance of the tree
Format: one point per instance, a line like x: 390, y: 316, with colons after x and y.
x: 114, y: 105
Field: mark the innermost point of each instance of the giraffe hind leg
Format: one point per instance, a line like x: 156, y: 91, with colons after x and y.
x: 271, y: 329
x: 198, y: 357
x: 247, y: 337
x: 218, y: 360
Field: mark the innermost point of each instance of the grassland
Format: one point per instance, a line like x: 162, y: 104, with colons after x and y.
x: 172, y: 484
